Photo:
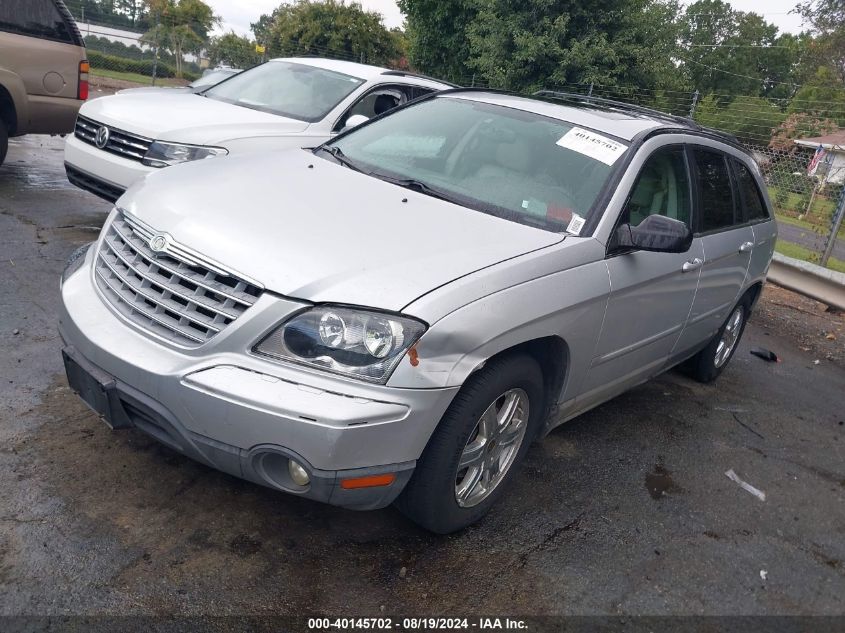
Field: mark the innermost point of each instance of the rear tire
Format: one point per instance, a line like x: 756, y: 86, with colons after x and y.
x: 489, y: 425
x: 711, y: 361
x: 4, y: 141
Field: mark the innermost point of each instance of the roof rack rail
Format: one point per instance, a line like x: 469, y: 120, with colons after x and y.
x: 620, y: 105
x: 405, y: 73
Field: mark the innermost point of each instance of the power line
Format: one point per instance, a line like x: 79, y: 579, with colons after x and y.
x: 727, y: 72
x: 738, y: 46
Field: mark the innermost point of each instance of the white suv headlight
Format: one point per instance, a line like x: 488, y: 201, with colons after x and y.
x: 357, y: 343
x: 165, y: 154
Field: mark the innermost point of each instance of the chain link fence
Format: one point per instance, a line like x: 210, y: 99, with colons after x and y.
x: 121, y: 59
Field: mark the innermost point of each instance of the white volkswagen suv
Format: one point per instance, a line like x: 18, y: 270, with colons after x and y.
x: 283, y: 104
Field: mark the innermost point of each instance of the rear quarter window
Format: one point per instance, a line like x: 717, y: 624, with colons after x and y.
x: 43, y: 19
x: 715, y: 191
x: 749, y: 192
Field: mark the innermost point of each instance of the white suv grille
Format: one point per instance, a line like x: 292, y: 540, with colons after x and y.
x: 173, y: 294
x: 130, y: 146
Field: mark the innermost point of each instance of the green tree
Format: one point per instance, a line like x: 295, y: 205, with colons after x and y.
x: 437, y: 37
x: 730, y: 52
x: 233, y: 50
x: 540, y: 43
x: 827, y: 18
x: 330, y: 28
x: 822, y: 97
x: 180, y: 26
x: 263, y: 28
x: 752, y: 120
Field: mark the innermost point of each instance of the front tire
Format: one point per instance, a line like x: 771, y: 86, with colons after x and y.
x: 481, y: 439
x: 711, y: 361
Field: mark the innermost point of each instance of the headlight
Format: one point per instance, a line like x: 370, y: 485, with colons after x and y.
x: 165, y: 154
x: 357, y: 343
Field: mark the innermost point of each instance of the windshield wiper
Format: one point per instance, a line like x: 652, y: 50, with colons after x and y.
x: 418, y: 185
x: 339, y: 156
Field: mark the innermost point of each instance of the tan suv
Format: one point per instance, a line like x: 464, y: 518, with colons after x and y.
x: 43, y: 69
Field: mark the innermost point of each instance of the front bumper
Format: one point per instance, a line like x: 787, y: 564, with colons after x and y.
x: 100, y: 172
x: 242, y: 414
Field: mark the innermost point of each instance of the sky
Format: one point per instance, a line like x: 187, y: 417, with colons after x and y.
x: 238, y: 14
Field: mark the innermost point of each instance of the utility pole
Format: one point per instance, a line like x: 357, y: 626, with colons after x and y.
x: 835, y: 225
x: 695, y: 96
x: 155, y: 47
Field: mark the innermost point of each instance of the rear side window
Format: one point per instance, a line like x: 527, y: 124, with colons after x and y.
x: 750, y: 194
x: 37, y: 18
x: 717, y: 210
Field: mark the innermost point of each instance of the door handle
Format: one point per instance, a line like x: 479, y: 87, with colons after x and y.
x: 690, y: 266
x: 746, y: 247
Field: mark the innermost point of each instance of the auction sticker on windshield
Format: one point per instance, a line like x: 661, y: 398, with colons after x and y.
x: 593, y: 145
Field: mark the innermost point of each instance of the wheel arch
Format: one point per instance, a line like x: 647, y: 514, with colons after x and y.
x: 8, y: 112
x: 753, y: 294
x: 551, y: 354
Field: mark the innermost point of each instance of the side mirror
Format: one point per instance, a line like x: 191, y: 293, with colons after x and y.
x: 354, y: 121
x: 656, y: 233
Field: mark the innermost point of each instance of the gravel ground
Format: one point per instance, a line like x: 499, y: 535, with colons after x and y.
x: 626, y: 510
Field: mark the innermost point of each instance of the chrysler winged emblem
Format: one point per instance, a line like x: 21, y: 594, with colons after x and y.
x: 158, y: 243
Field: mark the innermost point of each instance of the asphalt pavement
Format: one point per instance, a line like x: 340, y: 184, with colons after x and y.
x: 810, y: 239
x: 625, y: 510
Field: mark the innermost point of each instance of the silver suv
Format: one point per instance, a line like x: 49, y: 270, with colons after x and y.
x: 398, y: 314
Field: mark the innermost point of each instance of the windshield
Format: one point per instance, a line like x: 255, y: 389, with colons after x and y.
x: 212, y: 77
x: 293, y: 90
x: 511, y: 163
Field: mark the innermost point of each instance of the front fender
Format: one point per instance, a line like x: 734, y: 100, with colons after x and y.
x: 569, y: 305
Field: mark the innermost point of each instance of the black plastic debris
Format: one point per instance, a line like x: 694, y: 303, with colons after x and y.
x: 765, y: 354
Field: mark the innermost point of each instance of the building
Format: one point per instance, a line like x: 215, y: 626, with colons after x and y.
x: 831, y: 169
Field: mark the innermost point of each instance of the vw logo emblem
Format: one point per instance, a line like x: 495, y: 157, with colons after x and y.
x: 158, y: 243
x: 102, y: 137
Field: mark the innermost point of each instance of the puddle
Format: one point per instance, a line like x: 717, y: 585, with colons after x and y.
x: 35, y: 162
x: 25, y: 176
x: 660, y: 483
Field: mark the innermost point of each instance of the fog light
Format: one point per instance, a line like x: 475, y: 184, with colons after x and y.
x: 297, y: 473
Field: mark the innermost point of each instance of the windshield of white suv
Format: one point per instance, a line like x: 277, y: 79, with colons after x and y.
x: 296, y: 91
x: 511, y: 163
x: 212, y: 77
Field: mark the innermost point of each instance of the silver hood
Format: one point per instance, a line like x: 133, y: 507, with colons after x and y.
x: 310, y: 229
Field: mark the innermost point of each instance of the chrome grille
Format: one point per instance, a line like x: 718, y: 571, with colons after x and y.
x: 121, y: 143
x: 173, y: 295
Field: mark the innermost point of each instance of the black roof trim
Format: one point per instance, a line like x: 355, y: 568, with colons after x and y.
x: 404, y: 73
x: 703, y: 132
x: 73, y: 27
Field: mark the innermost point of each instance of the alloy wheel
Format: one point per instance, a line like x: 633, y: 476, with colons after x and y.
x: 491, y: 448
x: 730, y: 336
